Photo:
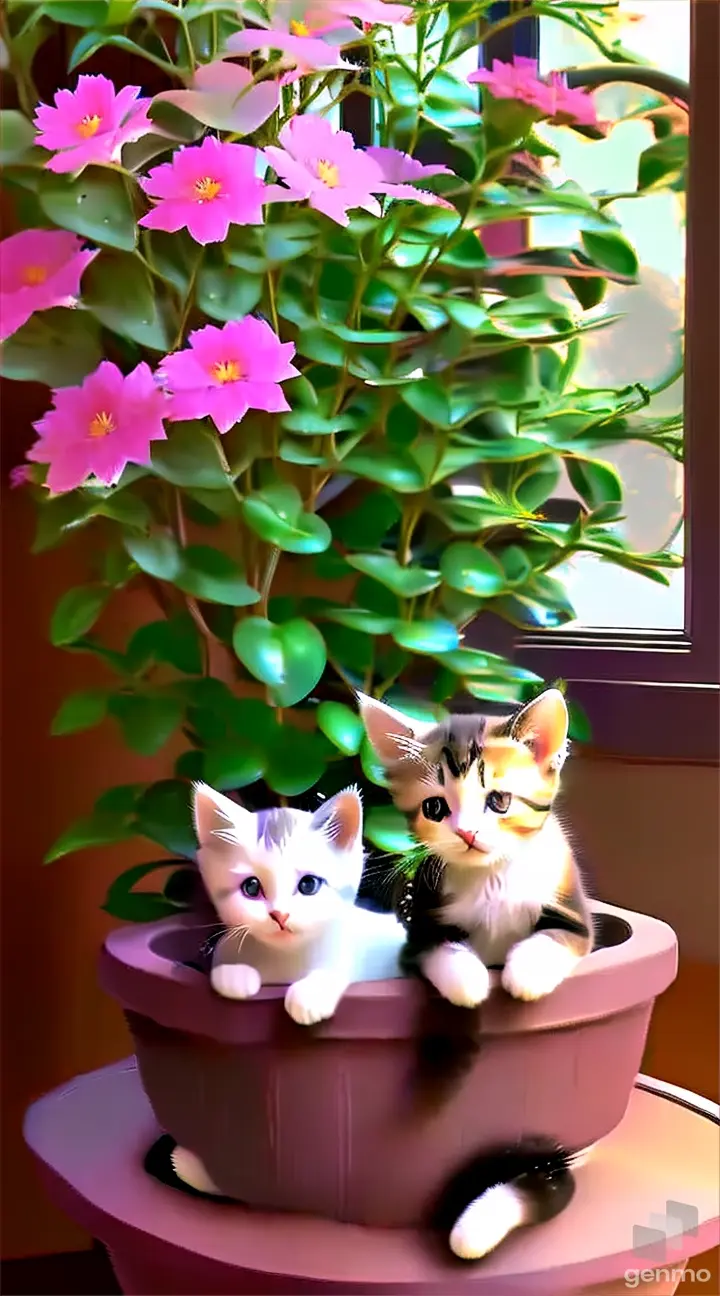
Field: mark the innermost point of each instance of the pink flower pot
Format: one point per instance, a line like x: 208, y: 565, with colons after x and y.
x: 321, y: 1120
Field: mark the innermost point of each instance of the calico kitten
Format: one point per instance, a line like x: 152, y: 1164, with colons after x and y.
x: 500, y: 887
x: 284, y: 884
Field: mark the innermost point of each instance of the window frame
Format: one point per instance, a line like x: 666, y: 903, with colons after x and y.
x: 657, y: 692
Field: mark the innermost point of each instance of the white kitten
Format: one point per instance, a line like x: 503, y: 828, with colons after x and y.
x: 284, y: 884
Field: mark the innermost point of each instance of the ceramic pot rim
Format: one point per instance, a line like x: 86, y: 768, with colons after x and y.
x: 610, y: 980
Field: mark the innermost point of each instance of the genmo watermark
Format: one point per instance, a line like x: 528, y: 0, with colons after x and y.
x: 635, y: 1277
x: 662, y: 1238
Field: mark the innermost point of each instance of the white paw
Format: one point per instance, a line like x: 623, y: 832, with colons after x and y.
x: 486, y: 1222
x: 457, y: 974
x: 536, y: 966
x: 235, y: 980
x: 191, y: 1170
x: 313, y: 999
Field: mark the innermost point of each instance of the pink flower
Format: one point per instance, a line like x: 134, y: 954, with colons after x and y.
x: 572, y: 107
x: 399, y: 170
x: 38, y: 269
x: 307, y: 18
x: 20, y: 475
x: 324, y: 166
x: 91, y: 123
x: 206, y: 188
x: 96, y: 429
x: 303, y: 53
x: 227, y: 371
x: 552, y: 100
x: 223, y: 96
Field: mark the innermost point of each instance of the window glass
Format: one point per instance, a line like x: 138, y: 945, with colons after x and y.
x: 646, y: 345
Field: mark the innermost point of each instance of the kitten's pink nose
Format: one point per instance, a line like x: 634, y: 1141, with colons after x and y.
x: 467, y: 835
x: 279, y: 918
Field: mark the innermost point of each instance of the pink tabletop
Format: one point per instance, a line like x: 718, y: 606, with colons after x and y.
x: 90, y: 1138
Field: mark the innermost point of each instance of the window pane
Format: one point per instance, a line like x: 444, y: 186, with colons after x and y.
x: 646, y: 345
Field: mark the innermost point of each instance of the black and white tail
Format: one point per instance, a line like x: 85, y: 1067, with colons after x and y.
x: 503, y: 1190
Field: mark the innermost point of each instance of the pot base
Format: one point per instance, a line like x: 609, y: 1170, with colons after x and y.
x: 91, y: 1136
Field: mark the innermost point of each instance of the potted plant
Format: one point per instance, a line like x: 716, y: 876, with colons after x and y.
x: 271, y: 352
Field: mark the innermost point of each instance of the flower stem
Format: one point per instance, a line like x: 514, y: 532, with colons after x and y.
x: 268, y: 579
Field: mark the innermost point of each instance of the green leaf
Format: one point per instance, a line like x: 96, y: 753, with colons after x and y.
x: 579, y: 729
x: 362, y: 619
x: 288, y: 658
x: 297, y: 761
x: 387, y: 829
x: 234, y: 764
x: 77, y: 13
x: 596, y: 482
x: 611, y: 252
x: 467, y: 252
x: 101, y: 828
x: 190, y: 457
x: 163, y: 815
x: 407, y: 582
x: 174, y: 641
x: 226, y: 293
x: 129, y: 905
x: 428, y: 399
x: 17, y: 135
x: 147, y: 720
x: 157, y: 554
x: 664, y: 163
x: 468, y: 314
x: 394, y: 468
x: 59, y: 515
x: 121, y: 799
x: 119, y: 291
x: 81, y: 710
x: 372, y: 769
x: 276, y: 514
x: 469, y: 662
x: 589, y: 292
x: 212, y: 575
x: 57, y: 347
x: 76, y: 613
x: 308, y: 422
x: 367, y: 525
x: 474, y: 513
x: 95, y: 205
x: 342, y: 726
x: 427, y: 636
x: 472, y: 570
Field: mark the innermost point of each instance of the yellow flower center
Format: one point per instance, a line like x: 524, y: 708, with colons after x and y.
x: 89, y: 125
x: 226, y: 371
x: 299, y: 28
x: 102, y: 424
x: 34, y: 274
x: 328, y: 173
x: 207, y: 189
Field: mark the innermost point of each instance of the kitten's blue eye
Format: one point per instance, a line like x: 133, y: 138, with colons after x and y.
x: 498, y: 802
x: 435, y: 809
x: 309, y: 885
x: 252, y: 888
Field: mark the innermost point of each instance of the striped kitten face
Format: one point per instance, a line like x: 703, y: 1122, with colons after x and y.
x: 474, y: 789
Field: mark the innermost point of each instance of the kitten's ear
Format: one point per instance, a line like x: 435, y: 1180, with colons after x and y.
x: 389, y: 731
x: 217, y: 817
x: 543, y: 726
x: 341, y: 819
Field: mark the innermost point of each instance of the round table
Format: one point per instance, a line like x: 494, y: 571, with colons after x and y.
x: 90, y: 1138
